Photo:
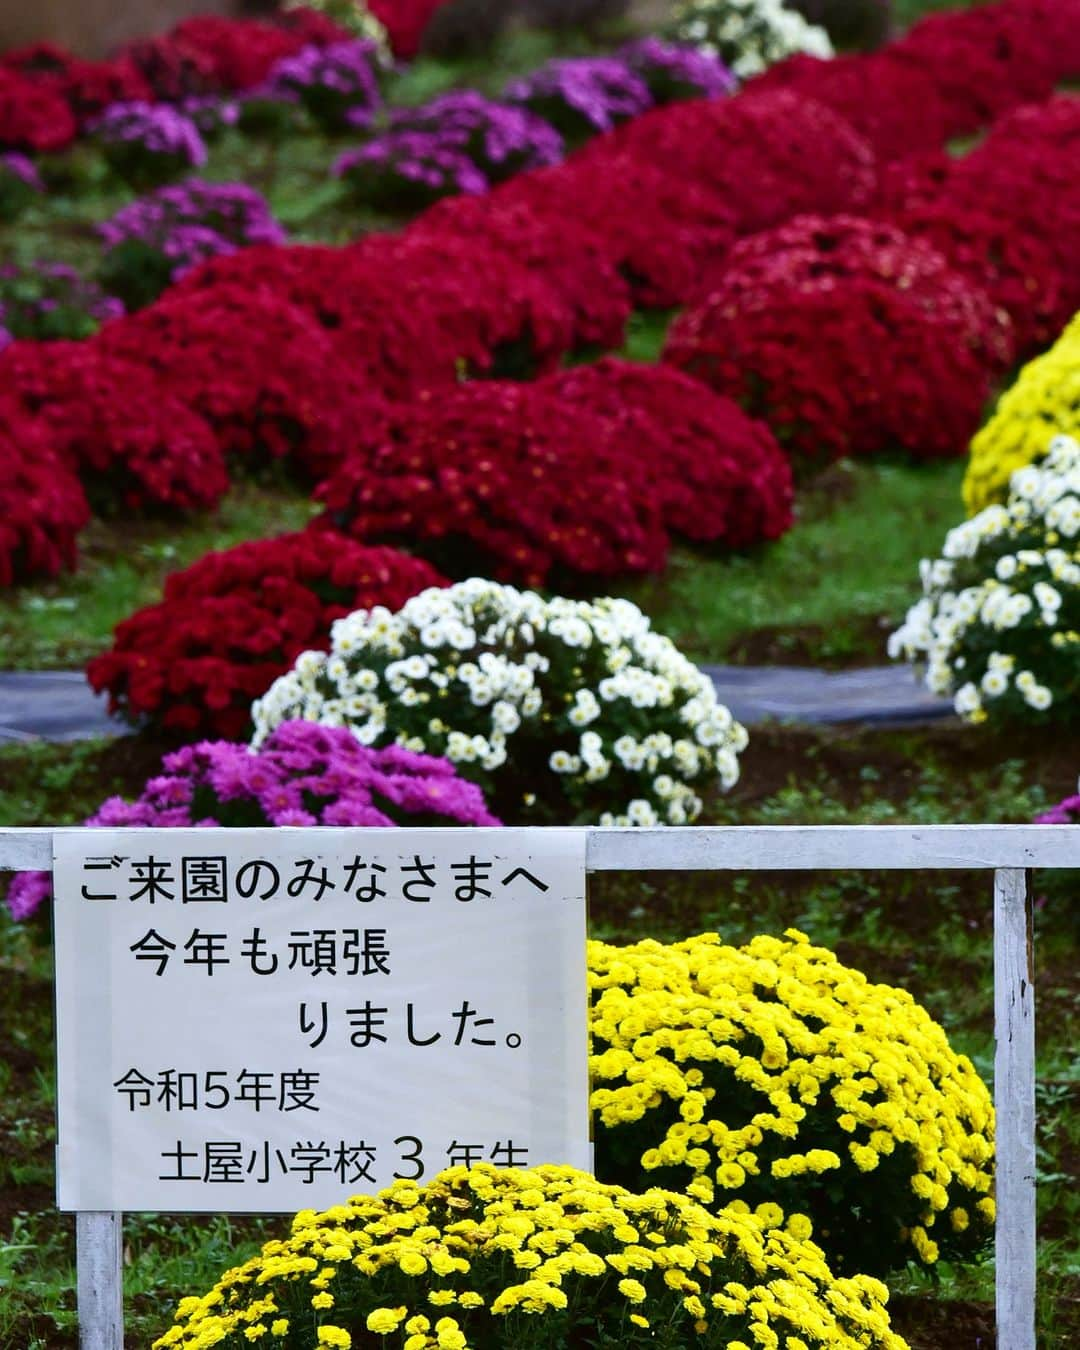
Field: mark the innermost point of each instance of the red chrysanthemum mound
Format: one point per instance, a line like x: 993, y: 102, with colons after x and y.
x: 989, y: 58
x: 889, y: 101
x: 499, y: 479
x: 132, y: 443
x: 571, y: 260
x: 657, y: 229
x: 814, y: 251
x: 239, y: 53
x: 262, y: 372
x: 412, y: 310
x: 87, y: 87
x: 843, y: 349
x: 405, y: 22
x: 42, y: 506
x: 719, y: 476
x: 456, y: 304
x: 769, y: 154
x: 229, y: 625
x: 33, y: 116
x: 1017, y: 270
x: 1022, y: 181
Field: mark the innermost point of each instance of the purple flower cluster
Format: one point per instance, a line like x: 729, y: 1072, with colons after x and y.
x: 1066, y: 812
x: 675, y: 70
x: 19, y: 185
x: 211, y: 114
x: 303, y: 774
x: 337, y: 84
x: 583, y: 94
x: 499, y: 138
x: 47, y: 301
x: 145, y: 141
x: 195, y: 220
x: 22, y: 168
x: 409, y: 168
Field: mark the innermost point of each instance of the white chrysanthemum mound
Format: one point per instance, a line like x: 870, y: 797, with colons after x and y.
x: 560, y: 709
x: 747, y: 35
x: 998, y: 623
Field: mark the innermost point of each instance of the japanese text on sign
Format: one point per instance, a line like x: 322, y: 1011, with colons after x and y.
x: 288, y: 1015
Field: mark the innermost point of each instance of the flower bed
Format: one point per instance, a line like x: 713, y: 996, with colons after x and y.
x: 42, y: 506
x: 134, y: 444
x: 503, y: 480
x: 562, y: 707
x: 542, y: 1257
x: 719, y: 477
x: 773, y: 1074
x: 997, y: 627
x: 769, y: 154
x: 847, y: 338
x: 229, y: 625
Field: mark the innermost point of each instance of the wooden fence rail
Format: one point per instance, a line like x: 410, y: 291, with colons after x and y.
x: 1008, y: 851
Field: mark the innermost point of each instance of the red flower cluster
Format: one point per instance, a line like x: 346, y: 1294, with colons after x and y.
x: 262, y: 372
x: 405, y: 22
x: 42, y: 507
x: 47, y: 94
x: 848, y: 339
x: 558, y: 247
x: 656, y: 228
x: 504, y: 480
x: 87, y: 87
x: 33, y: 116
x: 121, y: 429
x: 893, y: 104
x: 1007, y: 214
x: 952, y: 74
x: 234, y: 621
x: 767, y: 154
x: 718, y: 476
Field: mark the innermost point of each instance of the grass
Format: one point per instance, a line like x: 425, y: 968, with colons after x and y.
x: 929, y: 933
x: 60, y: 624
x: 851, y: 559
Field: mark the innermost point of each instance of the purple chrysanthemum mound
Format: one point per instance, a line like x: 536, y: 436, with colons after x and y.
x: 154, y: 129
x: 193, y: 221
x: 338, y: 84
x: 582, y: 94
x: 22, y: 168
x: 409, y: 167
x: 501, y: 139
x: 674, y: 70
x: 303, y: 774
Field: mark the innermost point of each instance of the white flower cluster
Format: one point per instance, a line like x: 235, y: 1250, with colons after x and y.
x: 748, y: 35
x: 997, y: 624
x: 575, y: 696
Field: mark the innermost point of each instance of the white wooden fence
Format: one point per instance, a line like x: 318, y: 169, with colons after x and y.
x: 1006, y: 850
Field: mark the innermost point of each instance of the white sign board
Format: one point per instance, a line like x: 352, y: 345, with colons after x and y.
x: 266, y: 1021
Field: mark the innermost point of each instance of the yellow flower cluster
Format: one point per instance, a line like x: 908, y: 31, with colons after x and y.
x: 538, y: 1257
x: 1043, y: 403
x: 776, y: 1073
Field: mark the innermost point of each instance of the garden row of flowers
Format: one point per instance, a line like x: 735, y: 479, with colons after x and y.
x: 515, y: 280
x: 813, y: 1131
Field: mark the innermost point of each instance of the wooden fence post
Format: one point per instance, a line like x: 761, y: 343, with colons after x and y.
x: 1014, y: 1100
x: 99, y: 1259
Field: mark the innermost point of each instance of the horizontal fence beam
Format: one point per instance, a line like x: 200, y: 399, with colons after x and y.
x: 755, y: 848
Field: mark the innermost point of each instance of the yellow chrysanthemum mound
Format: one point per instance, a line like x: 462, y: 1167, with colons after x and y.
x: 545, y: 1257
x: 1043, y: 403
x: 773, y: 1073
